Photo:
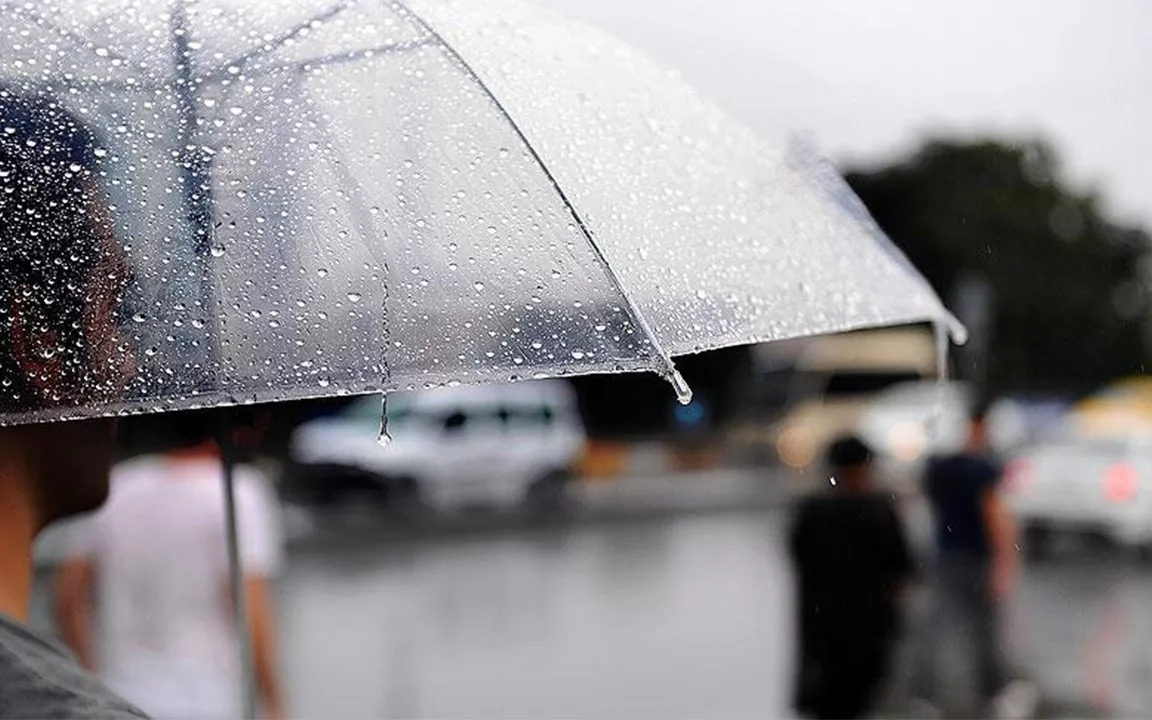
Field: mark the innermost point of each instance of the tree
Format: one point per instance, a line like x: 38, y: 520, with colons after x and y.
x: 1070, y: 308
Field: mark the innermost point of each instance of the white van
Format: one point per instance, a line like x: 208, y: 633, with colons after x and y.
x: 491, y: 444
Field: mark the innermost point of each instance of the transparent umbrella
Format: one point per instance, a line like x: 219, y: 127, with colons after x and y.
x: 315, y: 197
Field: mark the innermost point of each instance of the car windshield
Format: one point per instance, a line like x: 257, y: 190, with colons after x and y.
x: 848, y: 384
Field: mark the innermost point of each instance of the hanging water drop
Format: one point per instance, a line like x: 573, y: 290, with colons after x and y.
x: 680, y: 385
x: 384, y: 439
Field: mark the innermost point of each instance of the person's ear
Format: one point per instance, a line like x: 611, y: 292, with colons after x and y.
x: 36, y: 351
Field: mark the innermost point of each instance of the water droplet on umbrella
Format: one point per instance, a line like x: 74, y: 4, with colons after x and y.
x: 478, y: 286
x: 578, y: 354
x: 322, y: 272
x: 680, y: 385
x: 384, y: 439
x: 217, y: 251
x: 138, y: 317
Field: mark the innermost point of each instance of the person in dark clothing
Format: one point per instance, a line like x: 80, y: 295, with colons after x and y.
x: 852, y: 562
x: 974, y: 569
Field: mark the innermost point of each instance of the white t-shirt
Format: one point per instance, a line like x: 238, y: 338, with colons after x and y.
x: 165, y: 634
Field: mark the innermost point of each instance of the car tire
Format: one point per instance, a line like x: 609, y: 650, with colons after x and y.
x: 1037, y: 542
x: 404, y: 496
x: 550, y: 493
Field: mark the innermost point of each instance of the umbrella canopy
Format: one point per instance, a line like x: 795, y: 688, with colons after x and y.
x: 313, y: 197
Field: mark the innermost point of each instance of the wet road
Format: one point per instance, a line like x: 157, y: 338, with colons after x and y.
x: 684, y: 617
x: 676, y: 618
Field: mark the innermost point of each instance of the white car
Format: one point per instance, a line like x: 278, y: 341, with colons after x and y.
x: 1097, y: 484
x: 493, y: 445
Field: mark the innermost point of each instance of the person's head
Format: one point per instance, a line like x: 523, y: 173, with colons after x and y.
x: 199, y: 430
x: 61, y: 275
x: 850, y: 462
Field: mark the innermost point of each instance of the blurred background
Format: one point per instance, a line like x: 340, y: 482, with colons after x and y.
x: 595, y: 549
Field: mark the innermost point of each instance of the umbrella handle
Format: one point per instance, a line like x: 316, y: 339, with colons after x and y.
x: 235, y: 570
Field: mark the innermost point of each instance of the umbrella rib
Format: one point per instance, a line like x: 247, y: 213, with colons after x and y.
x: 668, y: 371
x: 279, y: 41
x: 338, y: 58
x: 65, y: 33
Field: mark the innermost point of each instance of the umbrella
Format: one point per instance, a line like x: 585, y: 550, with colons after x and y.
x: 319, y: 197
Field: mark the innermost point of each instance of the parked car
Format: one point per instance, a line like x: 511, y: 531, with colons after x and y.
x: 496, y: 445
x: 1098, y: 484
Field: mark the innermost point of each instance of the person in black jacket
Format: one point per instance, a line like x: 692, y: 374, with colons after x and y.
x: 852, y: 562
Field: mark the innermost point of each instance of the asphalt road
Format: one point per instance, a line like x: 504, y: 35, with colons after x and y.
x: 652, y: 615
x: 650, y: 600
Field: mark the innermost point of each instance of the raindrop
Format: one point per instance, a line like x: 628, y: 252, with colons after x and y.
x: 138, y: 318
x: 680, y: 385
x: 578, y: 354
x: 151, y: 351
x: 384, y: 438
x: 354, y: 297
x: 75, y: 167
x: 832, y: 480
x: 100, y: 152
x: 478, y: 286
x: 700, y: 294
x: 217, y: 251
x: 323, y: 382
x: 322, y: 272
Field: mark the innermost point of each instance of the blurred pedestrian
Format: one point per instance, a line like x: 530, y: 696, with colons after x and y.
x: 974, y: 571
x: 151, y: 568
x: 61, y: 277
x: 852, y: 562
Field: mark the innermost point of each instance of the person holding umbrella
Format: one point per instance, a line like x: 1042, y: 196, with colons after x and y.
x: 58, y: 340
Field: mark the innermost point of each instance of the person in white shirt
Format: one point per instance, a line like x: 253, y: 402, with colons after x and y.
x: 147, y: 579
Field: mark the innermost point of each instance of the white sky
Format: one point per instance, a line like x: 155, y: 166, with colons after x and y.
x: 870, y: 77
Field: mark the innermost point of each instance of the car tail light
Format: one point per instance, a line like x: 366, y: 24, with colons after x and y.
x: 1017, y: 476
x: 1121, y: 482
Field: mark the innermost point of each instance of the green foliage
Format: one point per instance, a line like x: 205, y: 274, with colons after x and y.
x: 1071, y: 309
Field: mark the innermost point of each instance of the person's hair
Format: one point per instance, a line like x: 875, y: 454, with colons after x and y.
x: 847, y: 452
x: 48, y: 235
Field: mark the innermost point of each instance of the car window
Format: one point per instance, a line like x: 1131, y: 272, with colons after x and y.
x: 454, y: 422
x: 848, y: 384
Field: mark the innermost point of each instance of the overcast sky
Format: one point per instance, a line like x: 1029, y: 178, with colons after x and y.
x: 870, y: 77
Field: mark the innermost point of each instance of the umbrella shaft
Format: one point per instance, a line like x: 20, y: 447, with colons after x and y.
x: 235, y: 571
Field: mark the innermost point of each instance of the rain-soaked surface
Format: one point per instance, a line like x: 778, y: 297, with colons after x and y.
x: 643, y: 608
x: 673, y: 619
x: 686, y: 617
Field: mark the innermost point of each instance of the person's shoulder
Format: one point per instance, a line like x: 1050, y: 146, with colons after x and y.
x: 39, y: 680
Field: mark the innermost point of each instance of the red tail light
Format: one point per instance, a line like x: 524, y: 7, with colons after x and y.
x: 1121, y: 482
x: 1017, y: 476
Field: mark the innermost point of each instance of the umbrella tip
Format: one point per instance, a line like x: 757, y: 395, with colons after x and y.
x: 680, y: 385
